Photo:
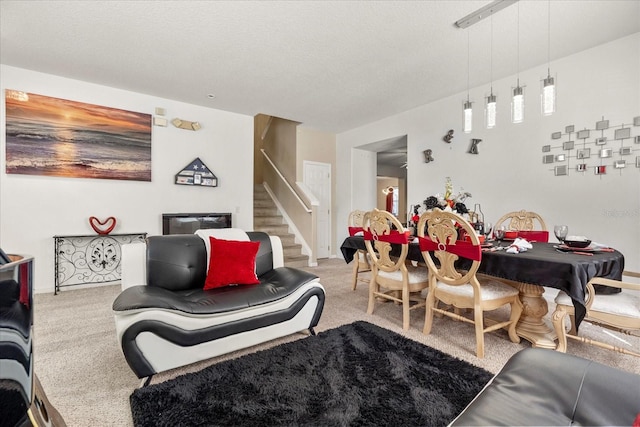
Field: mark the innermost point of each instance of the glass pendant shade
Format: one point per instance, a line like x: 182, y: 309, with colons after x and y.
x: 517, y: 105
x: 467, y: 118
x: 548, y: 96
x: 490, y: 111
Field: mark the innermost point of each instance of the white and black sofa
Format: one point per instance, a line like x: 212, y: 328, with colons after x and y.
x: 164, y: 318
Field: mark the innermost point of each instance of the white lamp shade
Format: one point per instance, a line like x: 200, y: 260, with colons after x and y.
x: 467, y: 118
x: 490, y: 111
x: 548, y: 96
x: 517, y: 105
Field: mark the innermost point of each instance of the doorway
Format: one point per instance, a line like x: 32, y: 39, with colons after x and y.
x: 391, y: 171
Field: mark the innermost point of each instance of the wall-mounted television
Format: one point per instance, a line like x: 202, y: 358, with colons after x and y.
x: 188, y: 223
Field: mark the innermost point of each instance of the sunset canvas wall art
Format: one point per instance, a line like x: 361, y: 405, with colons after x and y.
x: 57, y: 137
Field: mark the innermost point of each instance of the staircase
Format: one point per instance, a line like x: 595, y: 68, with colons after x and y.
x: 267, y: 218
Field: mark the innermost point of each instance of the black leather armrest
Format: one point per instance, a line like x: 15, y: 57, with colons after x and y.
x: 545, y: 387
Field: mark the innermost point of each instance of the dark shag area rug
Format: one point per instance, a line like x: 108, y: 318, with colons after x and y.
x: 355, y: 375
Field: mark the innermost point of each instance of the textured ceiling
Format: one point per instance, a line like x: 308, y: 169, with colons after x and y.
x: 331, y: 65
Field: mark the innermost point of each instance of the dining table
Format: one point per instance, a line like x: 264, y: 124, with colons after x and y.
x: 544, y: 265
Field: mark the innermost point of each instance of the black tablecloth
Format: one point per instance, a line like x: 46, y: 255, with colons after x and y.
x: 542, y: 265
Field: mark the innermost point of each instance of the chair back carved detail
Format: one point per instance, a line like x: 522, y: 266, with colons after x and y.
x: 393, y: 278
x: 356, y: 218
x: 379, y: 224
x: 457, y: 288
x: 441, y: 227
x: 522, y: 220
x: 361, y: 260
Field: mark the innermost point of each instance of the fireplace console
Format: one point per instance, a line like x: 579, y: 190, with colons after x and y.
x: 188, y: 223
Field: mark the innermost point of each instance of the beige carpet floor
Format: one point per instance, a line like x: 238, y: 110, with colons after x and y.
x: 86, y: 377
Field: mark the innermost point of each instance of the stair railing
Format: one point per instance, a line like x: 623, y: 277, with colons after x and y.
x: 300, y: 215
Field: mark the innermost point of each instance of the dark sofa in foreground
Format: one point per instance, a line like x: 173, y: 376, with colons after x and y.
x: 549, y: 388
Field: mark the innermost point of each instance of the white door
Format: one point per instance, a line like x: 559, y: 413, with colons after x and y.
x: 317, y: 177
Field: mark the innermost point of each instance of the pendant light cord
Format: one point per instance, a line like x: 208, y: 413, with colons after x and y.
x: 468, y: 63
x: 518, y: 47
x: 491, y: 55
x: 549, y: 37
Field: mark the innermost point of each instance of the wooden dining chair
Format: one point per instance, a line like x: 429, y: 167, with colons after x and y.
x: 393, y: 278
x: 521, y: 221
x: 619, y: 312
x: 530, y: 225
x: 361, y: 263
x: 459, y: 289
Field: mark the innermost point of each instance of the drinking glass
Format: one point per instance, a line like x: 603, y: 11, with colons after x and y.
x: 488, y: 228
x: 498, y: 233
x: 561, y: 232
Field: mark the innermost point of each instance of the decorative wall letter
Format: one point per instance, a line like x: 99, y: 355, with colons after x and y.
x: 474, y: 146
x: 427, y: 156
x: 449, y: 136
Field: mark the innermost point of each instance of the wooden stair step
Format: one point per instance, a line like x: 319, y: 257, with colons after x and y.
x: 265, y: 211
x: 267, y: 218
x: 259, y: 221
x: 263, y: 204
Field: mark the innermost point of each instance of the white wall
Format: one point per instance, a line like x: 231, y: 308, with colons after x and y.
x: 363, y: 163
x: 35, y: 208
x: 508, y: 173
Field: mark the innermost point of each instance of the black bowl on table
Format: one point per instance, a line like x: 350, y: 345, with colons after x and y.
x: 577, y: 243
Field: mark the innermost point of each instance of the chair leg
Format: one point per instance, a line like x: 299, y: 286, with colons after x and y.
x: 428, y: 315
x: 479, y: 324
x: 372, y: 299
x: 438, y: 314
x: 354, y: 281
x: 558, y: 324
x: 573, y: 330
x: 405, y: 309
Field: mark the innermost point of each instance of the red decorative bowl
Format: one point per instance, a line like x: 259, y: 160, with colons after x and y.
x: 510, y: 234
x: 480, y: 238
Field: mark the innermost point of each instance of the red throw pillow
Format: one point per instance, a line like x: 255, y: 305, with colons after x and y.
x: 231, y: 262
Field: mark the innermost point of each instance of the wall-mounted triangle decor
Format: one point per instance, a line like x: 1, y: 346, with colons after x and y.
x: 196, y: 173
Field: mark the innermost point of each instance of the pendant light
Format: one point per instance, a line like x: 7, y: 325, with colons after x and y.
x: 548, y: 95
x: 467, y: 110
x: 490, y: 106
x: 468, y: 116
x: 485, y: 11
x: 517, y: 100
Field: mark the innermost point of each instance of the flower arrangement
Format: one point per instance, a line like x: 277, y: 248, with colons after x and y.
x: 446, y: 202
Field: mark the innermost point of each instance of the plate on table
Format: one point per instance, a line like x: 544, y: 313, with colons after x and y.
x: 590, y: 249
x: 576, y: 242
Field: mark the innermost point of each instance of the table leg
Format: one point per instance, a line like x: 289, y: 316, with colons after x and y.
x: 532, y: 325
